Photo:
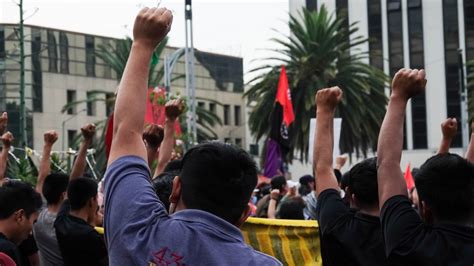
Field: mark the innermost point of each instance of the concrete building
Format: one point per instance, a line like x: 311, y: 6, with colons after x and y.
x: 61, y: 67
x: 414, y: 34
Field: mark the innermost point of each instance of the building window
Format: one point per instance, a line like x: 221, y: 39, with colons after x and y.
x: 469, y: 28
x: 36, y: 71
x: 395, y: 41
x: 227, y: 140
x: 237, y: 115
x: 91, y: 105
x: 238, y: 142
x: 375, y: 33
x: 71, y: 97
x: 2, y: 43
x: 343, y: 12
x: 71, y: 135
x: 109, y: 103
x: 52, y: 52
x: 226, y: 115
x: 312, y: 5
x: 212, y: 108
x: 90, y: 56
x: 417, y: 61
x: 63, y: 53
x: 451, y: 45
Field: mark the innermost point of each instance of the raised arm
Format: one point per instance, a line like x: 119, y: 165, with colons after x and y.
x: 3, y: 122
x: 272, y: 205
x: 7, y: 139
x: 153, y: 137
x: 79, y: 166
x: 406, y: 84
x: 173, y: 110
x: 470, y: 148
x: 449, y: 128
x: 151, y: 26
x: 326, y: 103
x: 50, y: 137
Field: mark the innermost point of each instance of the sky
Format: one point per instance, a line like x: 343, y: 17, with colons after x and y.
x: 239, y: 28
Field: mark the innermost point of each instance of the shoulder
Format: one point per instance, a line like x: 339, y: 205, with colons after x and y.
x: 264, y: 259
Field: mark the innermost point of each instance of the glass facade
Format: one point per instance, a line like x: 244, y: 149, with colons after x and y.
x: 52, y: 52
x: 312, y: 5
x: 469, y: 29
x: 342, y: 11
x: 451, y: 45
x: 36, y: 71
x: 64, y: 53
x: 90, y: 56
x: 226, y: 115
x: 417, y: 61
x: 237, y: 115
x: 374, y: 11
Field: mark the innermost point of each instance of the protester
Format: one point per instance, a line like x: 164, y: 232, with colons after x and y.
x: 152, y: 137
x: 307, y: 184
x: 444, y: 234
x: 7, y: 139
x: 19, y: 206
x: 211, y: 193
x: 348, y: 236
x: 278, y: 183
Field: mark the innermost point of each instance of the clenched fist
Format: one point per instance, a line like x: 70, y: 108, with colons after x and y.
x: 174, y: 108
x: 327, y: 99
x: 151, y: 26
x: 88, y: 131
x: 7, y: 139
x: 50, y: 137
x: 449, y: 128
x: 408, y: 83
x: 3, y: 122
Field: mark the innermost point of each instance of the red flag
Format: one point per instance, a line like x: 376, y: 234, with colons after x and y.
x: 155, y: 109
x: 409, y: 178
x: 109, y: 134
x: 284, y: 98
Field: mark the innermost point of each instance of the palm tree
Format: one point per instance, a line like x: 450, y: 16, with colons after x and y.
x: 318, y: 55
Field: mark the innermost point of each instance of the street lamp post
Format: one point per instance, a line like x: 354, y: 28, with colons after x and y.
x: 64, y: 124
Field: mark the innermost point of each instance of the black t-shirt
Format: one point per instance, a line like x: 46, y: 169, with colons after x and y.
x: 79, y: 242
x: 9, y: 248
x: 411, y: 242
x: 348, y: 237
x: 28, y: 248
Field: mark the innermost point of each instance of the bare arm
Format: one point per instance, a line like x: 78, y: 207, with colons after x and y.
x: 3, y: 122
x: 173, y: 109
x: 326, y: 102
x: 80, y: 164
x: 151, y: 26
x: 406, y: 84
x: 470, y: 148
x: 449, y: 128
x: 7, y: 139
x: 271, y: 212
x: 50, y: 137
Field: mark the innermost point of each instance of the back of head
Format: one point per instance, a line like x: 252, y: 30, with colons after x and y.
x: 305, y: 185
x: 80, y: 191
x: 278, y: 182
x: 292, y: 209
x: 362, y: 182
x: 218, y: 178
x: 54, y: 186
x: 445, y: 183
x: 17, y: 195
x: 163, y: 185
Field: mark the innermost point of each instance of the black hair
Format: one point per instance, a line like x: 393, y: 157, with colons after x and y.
x: 163, y: 185
x: 80, y: 191
x: 362, y: 180
x: 344, y: 180
x: 174, y: 165
x: 445, y: 182
x: 54, y: 185
x: 304, y: 190
x: 292, y: 209
x: 16, y: 195
x: 218, y: 178
x: 278, y: 182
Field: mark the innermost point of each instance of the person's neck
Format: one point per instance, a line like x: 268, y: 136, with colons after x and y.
x: 81, y: 214
x: 54, y: 208
x: 373, y: 211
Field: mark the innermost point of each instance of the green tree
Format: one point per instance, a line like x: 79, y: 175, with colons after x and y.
x: 318, y: 55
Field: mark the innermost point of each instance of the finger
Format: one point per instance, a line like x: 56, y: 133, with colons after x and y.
x: 422, y: 74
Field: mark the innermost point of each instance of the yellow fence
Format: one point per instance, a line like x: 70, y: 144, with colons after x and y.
x: 290, y: 241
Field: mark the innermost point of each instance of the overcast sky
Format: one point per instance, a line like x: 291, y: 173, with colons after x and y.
x: 240, y: 28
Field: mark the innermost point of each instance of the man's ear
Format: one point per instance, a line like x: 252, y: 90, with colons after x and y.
x: 19, y: 215
x: 176, y: 191
x: 245, y: 214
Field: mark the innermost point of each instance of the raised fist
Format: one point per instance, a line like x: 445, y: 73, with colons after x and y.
x: 3, y: 122
x: 174, y: 108
x: 341, y: 161
x: 449, y: 128
x: 50, y: 137
x: 7, y: 139
x: 327, y: 99
x: 408, y: 83
x: 151, y: 26
x: 88, y: 131
x: 274, y: 194
x: 153, y: 136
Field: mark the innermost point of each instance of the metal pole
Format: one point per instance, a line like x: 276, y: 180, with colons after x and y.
x: 23, y: 130
x: 463, y: 93
x: 190, y: 86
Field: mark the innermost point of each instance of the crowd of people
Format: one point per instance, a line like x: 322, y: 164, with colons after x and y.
x: 189, y: 210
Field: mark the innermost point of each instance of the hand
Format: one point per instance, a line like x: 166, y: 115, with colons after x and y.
x: 327, y: 99
x: 340, y: 161
x: 88, y: 131
x: 449, y: 128
x: 274, y: 194
x: 151, y: 26
x: 50, y: 137
x: 408, y: 83
x: 153, y: 136
x: 173, y: 109
x: 7, y: 139
x: 3, y: 122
